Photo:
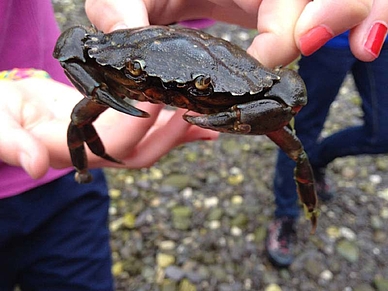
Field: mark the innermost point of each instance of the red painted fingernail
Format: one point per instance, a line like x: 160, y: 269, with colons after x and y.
x: 314, y: 39
x: 376, y: 38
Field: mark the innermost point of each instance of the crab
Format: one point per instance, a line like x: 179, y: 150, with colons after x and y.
x: 186, y: 68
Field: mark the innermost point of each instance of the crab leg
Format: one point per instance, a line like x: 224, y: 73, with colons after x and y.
x: 81, y: 129
x: 304, y: 177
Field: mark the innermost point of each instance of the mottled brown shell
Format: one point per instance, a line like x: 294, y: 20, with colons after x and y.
x: 181, y: 55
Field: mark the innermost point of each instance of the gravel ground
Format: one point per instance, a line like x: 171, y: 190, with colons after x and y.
x: 196, y: 220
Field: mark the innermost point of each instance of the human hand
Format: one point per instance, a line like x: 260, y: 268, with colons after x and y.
x: 287, y: 28
x: 35, y: 114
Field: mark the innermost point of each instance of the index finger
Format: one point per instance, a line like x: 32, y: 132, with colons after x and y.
x: 275, y: 44
x: 117, y: 14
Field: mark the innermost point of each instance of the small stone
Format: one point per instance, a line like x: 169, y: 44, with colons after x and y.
x: 129, y: 180
x: 155, y: 173
x: 164, y: 260
x: 235, y: 180
x: 326, y: 275
x: 383, y: 194
x: 175, y: 273
x: 333, y: 232
x: 381, y: 284
x: 273, y: 287
x: 181, y: 217
x: 117, y: 268
x: 347, y: 233
x: 237, y: 200
x: 314, y: 266
x: 363, y: 287
x: 382, y: 165
x: 186, y: 285
x: 167, y: 245
x: 260, y: 234
x: 114, y: 193
x: 177, y: 181
x: 214, y: 224
x: 240, y: 220
x: 384, y: 212
x: 129, y: 220
x: 168, y: 285
x: 235, y: 231
x: 376, y: 222
x: 116, y: 224
x: 211, y: 202
x: 348, y: 250
x: 215, y: 214
x: 375, y: 179
x: 379, y: 236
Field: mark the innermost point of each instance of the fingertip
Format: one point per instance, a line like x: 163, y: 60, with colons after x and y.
x: 262, y: 49
x: 35, y: 167
x: 367, y: 40
x: 117, y: 14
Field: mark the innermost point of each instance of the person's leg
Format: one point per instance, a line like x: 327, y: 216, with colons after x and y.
x: 323, y: 73
x: 10, y: 220
x: 64, y: 242
x: 371, y: 137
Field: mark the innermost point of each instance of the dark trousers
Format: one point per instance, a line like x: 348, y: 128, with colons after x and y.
x: 323, y: 73
x: 56, y: 237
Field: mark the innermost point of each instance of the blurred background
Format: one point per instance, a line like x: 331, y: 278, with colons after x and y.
x: 197, y: 219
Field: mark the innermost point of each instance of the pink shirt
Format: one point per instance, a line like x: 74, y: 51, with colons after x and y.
x: 28, y: 33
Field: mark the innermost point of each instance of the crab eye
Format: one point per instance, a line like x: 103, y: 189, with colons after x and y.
x: 202, y: 82
x: 135, y: 67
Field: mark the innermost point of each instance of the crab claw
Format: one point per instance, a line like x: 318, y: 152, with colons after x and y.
x: 222, y: 122
x: 255, y: 117
x: 119, y: 104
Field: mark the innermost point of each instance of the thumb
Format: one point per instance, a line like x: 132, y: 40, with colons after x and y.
x: 19, y: 148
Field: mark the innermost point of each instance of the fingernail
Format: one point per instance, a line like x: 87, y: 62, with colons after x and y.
x: 314, y: 39
x: 25, y: 162
x: 118, y: 26
x: 375, y: 39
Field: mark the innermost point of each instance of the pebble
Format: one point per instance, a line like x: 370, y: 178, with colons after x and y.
x: 167, y: 245
x: 273, y: 287
x: 174, y: 273
x: 348, y: 250
x: 235, y: 231
x: 164, y: 260
x: 211, y: 201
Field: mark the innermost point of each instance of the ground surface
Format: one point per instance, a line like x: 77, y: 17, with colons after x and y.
x: 196, y: 220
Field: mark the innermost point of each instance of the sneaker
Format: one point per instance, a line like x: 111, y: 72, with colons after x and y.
x: 279, y: 242
x: 324, y: 189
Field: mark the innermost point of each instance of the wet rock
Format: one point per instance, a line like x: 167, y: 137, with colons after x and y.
x: 168, y: 285
x: 273, y: 287
x: 176, y: 181
x: 164, y: 260
x: 174, y: 273
x: 215, y: 214
x: 381, y: 284
x: 181, y: 217
x: 186, y: 285
x: 348, y: 250
x: 363, y: 287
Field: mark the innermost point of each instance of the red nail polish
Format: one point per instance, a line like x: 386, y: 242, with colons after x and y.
x: 314, y: 39
x: 376, y: 38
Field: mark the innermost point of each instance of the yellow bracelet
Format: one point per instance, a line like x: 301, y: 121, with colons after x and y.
x: 18, y: 74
